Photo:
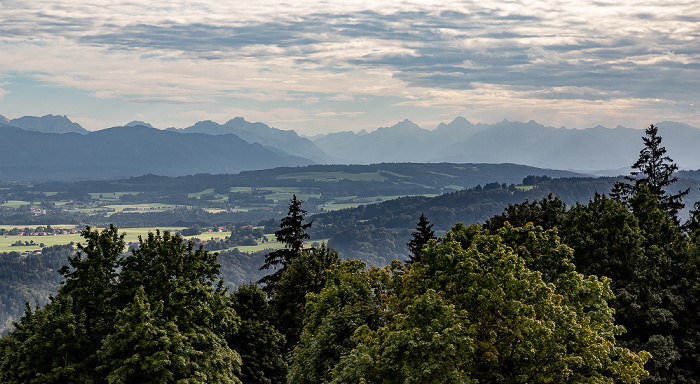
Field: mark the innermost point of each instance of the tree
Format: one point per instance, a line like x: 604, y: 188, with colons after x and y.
x: 151, y: 346
x: 347, y: 302
x: 647, y: 258
x: 306, y: 274
x: 477, y: 310
x: 259, y: 343
x: 547, y: 212
x: 292, y: 234
x: 158, y: 314
x: 693, y: 223
x: 421, y: 236
x: 655, y: 170
x: 175, y: 319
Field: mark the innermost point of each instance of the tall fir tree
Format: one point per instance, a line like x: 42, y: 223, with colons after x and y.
x: 655, y: 170
x: 292, y: 234
x: 421, y: 236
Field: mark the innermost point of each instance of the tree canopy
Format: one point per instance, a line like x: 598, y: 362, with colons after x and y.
x: 506, y: 308
x: 159, y: 314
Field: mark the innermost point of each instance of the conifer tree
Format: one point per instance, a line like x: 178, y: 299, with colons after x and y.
x: 655, y: 170
x: 292, y: 234
x: 421, y: 236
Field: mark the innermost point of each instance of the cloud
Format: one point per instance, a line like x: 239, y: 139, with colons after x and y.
x: 340, y: 114
x: 309, y: 52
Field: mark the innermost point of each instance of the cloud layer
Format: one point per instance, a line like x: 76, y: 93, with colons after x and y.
x: 318, y: 65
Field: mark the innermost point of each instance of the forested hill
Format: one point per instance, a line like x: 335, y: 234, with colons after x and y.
x: 403, y: 177
x: 128, y: 151
x: 378, y: 233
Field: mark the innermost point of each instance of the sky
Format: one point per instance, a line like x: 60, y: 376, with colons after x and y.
x: 327, y: 66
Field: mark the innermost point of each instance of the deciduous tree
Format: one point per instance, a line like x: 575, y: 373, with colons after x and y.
x: 478, y: 309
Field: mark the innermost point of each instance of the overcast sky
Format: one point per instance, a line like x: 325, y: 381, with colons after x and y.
x: 320, y: 66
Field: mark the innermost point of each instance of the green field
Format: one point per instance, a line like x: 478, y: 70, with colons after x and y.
x: 110, y: 195
x: 61, y: 226
x: 14, y: 204
x: 132, y: 234
x: 148, y: 207
x: 7, y: 241
x: 209, y: 191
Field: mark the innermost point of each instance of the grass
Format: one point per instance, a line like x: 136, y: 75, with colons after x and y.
x: 7, y: 241
x: 14, y: 204
x: 110, y: 195
x: 524, y: 187
x: 215, y: 210
x: 132, y: 234
x: 147, y: 207
x: 209, y: 191
x: 58, y: 226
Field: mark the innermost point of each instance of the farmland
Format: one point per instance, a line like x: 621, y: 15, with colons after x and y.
x: 204, y: 203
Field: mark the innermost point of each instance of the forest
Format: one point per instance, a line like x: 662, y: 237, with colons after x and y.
x: 601, y: 291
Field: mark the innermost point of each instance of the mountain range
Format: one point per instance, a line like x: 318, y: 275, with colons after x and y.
x: 54, y: 143
x: 282, y: 142
x: 128, y: 151
x: 589, y: 150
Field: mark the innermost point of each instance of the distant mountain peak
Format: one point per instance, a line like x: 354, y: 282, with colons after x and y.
x: 48, y: 124
x: 137, y: 123
x: 405, y: 125
x: 236, y: 120
x: 674, y: 125
x: 4, y: 120
x: 460, y: 120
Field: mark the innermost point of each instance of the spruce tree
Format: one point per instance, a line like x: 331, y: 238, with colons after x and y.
x: 292, y: 234
x: 655, y: 170
x: 421, y: 236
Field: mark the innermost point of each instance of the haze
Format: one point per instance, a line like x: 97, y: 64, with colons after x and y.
x: 319, y: 67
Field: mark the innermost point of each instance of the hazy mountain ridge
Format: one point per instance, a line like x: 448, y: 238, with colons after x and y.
x: 530, y: 143
x: 596, y: 150
x: 282, y: 141
x: 128, y: 151
x: 45, y: 124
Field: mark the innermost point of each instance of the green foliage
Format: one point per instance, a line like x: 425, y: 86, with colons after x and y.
x: 547, y: 212
x: 258, y: 342
x: 28, y: 278
x: 45, y: 346
x: 650, y: 264
x: 305, y: 275
x: 347, y: 302
x: 155, y: 315
x: 150, y: 346
x: 506, y: 308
